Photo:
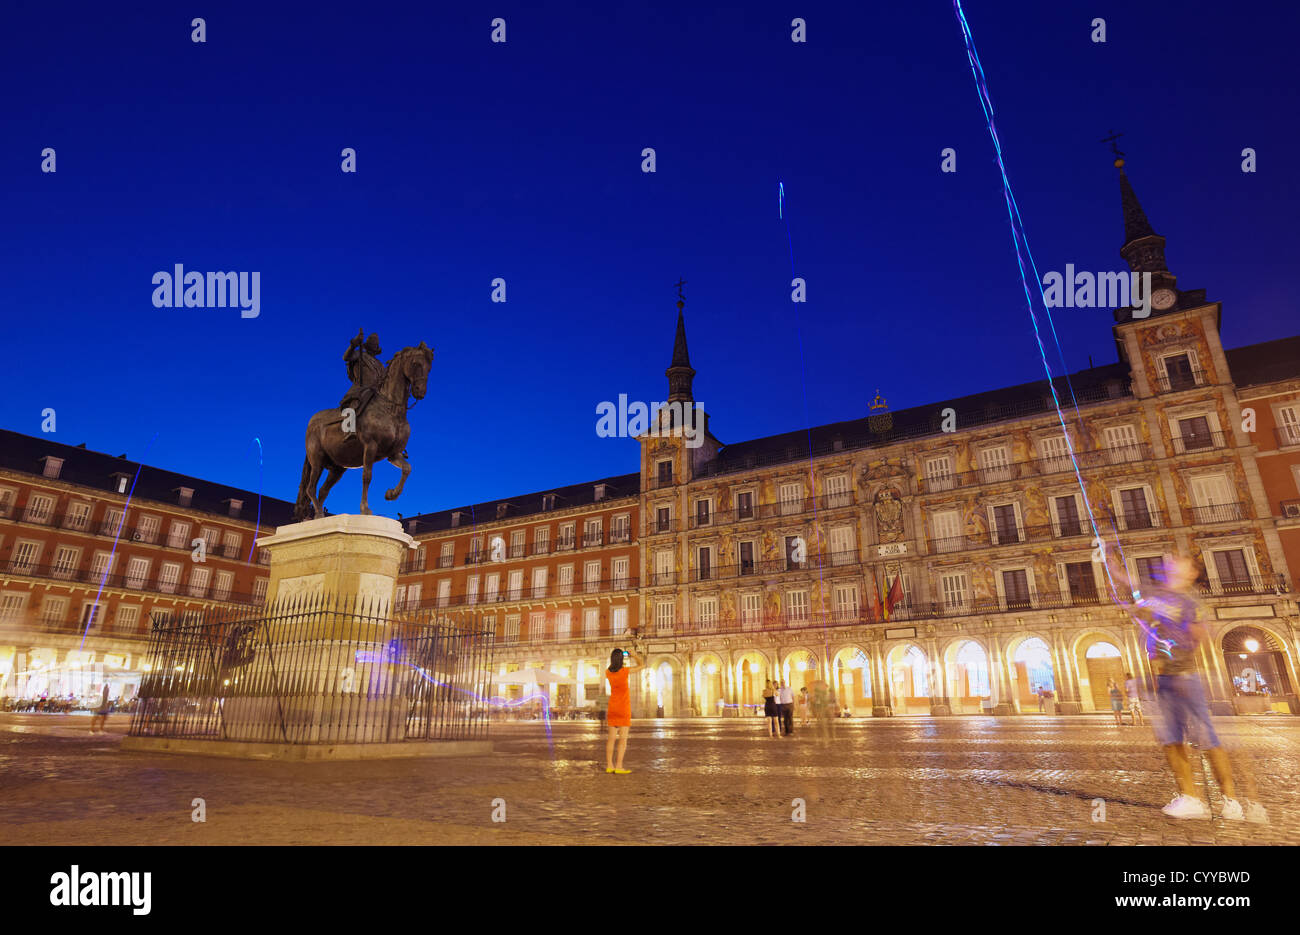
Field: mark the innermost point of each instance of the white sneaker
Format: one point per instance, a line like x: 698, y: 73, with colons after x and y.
x: 1232, y: 810
x: 1256, y: 813
x: 1186, y: 806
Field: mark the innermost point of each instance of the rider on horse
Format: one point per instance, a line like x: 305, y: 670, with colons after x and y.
x: 364, y: 370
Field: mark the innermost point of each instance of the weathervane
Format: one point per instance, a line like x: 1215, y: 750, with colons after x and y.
x: 1114, y: 148
x: 680, y: 298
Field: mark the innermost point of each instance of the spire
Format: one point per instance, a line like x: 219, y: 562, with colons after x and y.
x: 679, y: 372
x: 1144, y: 249
x: 1135, y: 220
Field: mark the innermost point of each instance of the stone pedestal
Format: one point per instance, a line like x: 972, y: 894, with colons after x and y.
x: 1069, y: 707
x: 940, y: 710
x: 882, y: 711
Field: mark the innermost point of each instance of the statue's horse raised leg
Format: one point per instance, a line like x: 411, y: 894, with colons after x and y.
x: 398, y: 461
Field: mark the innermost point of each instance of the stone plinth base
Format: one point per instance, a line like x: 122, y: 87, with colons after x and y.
x: 940, y: 710
x: 882, y: 711
x: 310, y: 752
x: 1069, y: 707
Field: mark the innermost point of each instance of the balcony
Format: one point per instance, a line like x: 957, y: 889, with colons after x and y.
x: 798, y: 507
x: 1288, y: 434
x: 542, y: 548
x: 1218, y: 513
x: 121, y: 580
x: 658, y: 526
x: 444, y: 561
x: 1179, y: 381
x: 592, y: 539
x: 414, y: 565
x: 620, y: 536
x: 1199, y: 441
x: 1020, y: 470
x: 1041, y: 533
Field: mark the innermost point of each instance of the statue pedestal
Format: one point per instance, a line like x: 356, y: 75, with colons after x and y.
x: 349, y: 558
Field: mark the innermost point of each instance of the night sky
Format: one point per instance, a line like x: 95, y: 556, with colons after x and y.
x: 523, y: 161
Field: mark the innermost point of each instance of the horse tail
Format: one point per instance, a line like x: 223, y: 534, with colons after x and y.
x: 302, y: 508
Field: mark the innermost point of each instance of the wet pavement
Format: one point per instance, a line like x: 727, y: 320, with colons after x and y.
x: 1023, y: 780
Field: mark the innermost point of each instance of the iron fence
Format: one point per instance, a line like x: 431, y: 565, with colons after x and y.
x: 317, y: 670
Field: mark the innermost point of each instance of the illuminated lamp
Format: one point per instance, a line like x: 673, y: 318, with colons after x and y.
x: 1252, y: 645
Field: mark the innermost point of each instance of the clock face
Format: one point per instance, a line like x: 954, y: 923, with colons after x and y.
x: 1163, y: 298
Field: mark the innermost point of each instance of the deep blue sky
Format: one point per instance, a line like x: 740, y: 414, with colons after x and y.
x: 522, y: 160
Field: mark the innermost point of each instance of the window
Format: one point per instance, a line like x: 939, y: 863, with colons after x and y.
x: 796, y: 606
x: 539, y: 582
x: 665, y: 469
x: 537, y: 626
x: 746, y: 558
x: 567, y: 534
x: 954, y: 591
x: 211, y: 537
x: 127, y: 618
x: 751, y: 610
x: 475, y: 550
x: 178, y: 535
x: 413, y: 595
x: 541, y: 540
x: 791, y: 549
x: 618, y: 621
x: 706, y: 613
x: 663, y: 567
x: 169, y: 576
x: 590, y: 622
x: 548, y: 501
x: 147, y: 530
x: 1150, y: 571
x: 226, y: 581
x: 791, y: 497
x: 704, y: 563
x: 846, y: 601
x: 1015, y: 589
x: 137, y: 572
x: 199, y: 581
x: 1214, y: 500
x: 938, y: 474
x: 1234, y: 572
x: 517, y: 544
x: 565, y: 580
x: 112, y: 520
x: 7, y: 498
x: 663, y: 519
x: 1180, y: 372
x: 620, y: 529
x: 1006, y: 525
x: 230, y: 543
x: 618, y: 571
x: 1134, y: 512
x: 1288, y: 421
x: 1067, y: 516
x: 1122, y: 444
x: 444, y: 592
x: 65, y: 561
x: 12, y: 606
x: 665, y: 616
x: 77, y: 516
x: 91, y: 612
x: 843, y: 549
x: 399, y: 596
x: 591, y: 533
x: 52, y: 467
x: 745, y: 505
x: 1081, y: 582
x: 514, y: 585
x: 947, y: 531
x: 600, y: 492
x: 1053, y: 454
x: 703, y: 512
x: 563, y: 624
x: 994, y: 465
x: 512, y: 628
x: 54, y: 610
x: 446, y: 554
x: 591, y: 577
x: 471, y: 589
x: 40, y: 509
x: 1193, y: 434
x: 100, y: 566
x: 837, y: 491
x: 259, y: 589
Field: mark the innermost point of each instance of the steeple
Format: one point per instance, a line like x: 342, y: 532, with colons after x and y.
x: 680, y: 374
x: 1144, y: 249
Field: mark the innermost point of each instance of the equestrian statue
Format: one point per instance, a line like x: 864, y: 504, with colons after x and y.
x: 369, y: 425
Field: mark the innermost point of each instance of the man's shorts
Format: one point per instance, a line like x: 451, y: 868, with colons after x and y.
x: 1181, y: 712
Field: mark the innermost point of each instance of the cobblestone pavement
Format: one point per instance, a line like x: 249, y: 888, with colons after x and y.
x: 1026, y: 780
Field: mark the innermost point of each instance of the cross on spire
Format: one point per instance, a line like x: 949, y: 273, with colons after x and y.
x: 678, y: 285
x: 1114, y: 146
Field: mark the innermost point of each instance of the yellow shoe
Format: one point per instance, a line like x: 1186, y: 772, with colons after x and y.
x: 609, y: 769
x: 622, y: 772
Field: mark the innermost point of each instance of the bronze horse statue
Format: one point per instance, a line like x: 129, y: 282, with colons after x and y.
x: 381, y: 433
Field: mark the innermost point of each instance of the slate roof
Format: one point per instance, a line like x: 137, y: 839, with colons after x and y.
x: 1267, y: 362
x: 621, y: 485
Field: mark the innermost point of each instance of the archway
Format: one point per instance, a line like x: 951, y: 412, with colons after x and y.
x: 1257, y: 668
x: 1033, y: 673
x: 969, y: 682
x: 707, y: 676
x: 800, y: 670
x: 663, y: 692
x: 851, y: 672
x: 1104, y: 662
x: 752, y: 672
x: 908, y: 671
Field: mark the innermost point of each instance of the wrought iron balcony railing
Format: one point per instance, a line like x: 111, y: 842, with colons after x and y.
x: 1177, y: 382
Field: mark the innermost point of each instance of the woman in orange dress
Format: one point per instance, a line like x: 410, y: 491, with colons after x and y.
x: 619, y: 717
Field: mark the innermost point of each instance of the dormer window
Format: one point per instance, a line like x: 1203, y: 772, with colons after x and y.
x: 411, y: 524
x: 501, y: 510
x: 235, y: 507
x: 119, y: 482
x: 600, y: 491
x: 185, y: 496
x: 548, y: 501
x: 455, y: 518
x: 52, y: 466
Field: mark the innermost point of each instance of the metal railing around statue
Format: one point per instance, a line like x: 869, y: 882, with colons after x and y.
x: 316, y: 670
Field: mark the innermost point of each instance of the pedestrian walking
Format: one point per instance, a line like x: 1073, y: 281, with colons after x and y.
x: 1133, y: 688
x: 823, y: 710
x: 1042, y: 700
x: 619, y: 715
x: 803, y: 706
x: 101, y: 713
x: 1170, y: 611
x: 785, y: 706
x: 1116, y: 702
x: 770, y: 710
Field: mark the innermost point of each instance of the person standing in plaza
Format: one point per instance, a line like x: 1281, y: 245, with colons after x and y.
x: 803, y: 706
x: 785, y: 704
x: 1170, y: 613
x: 1133, y: 688
x: 1116, y: 702
x: 770, y: 710
x: 101, y: 713
x: 619, y: 716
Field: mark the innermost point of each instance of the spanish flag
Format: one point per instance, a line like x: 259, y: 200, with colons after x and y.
x: 895, y: 595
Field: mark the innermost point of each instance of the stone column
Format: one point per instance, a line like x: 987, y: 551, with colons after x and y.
x: 1006, y: 695
x: 882, y: 692
x: 939, y: 704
